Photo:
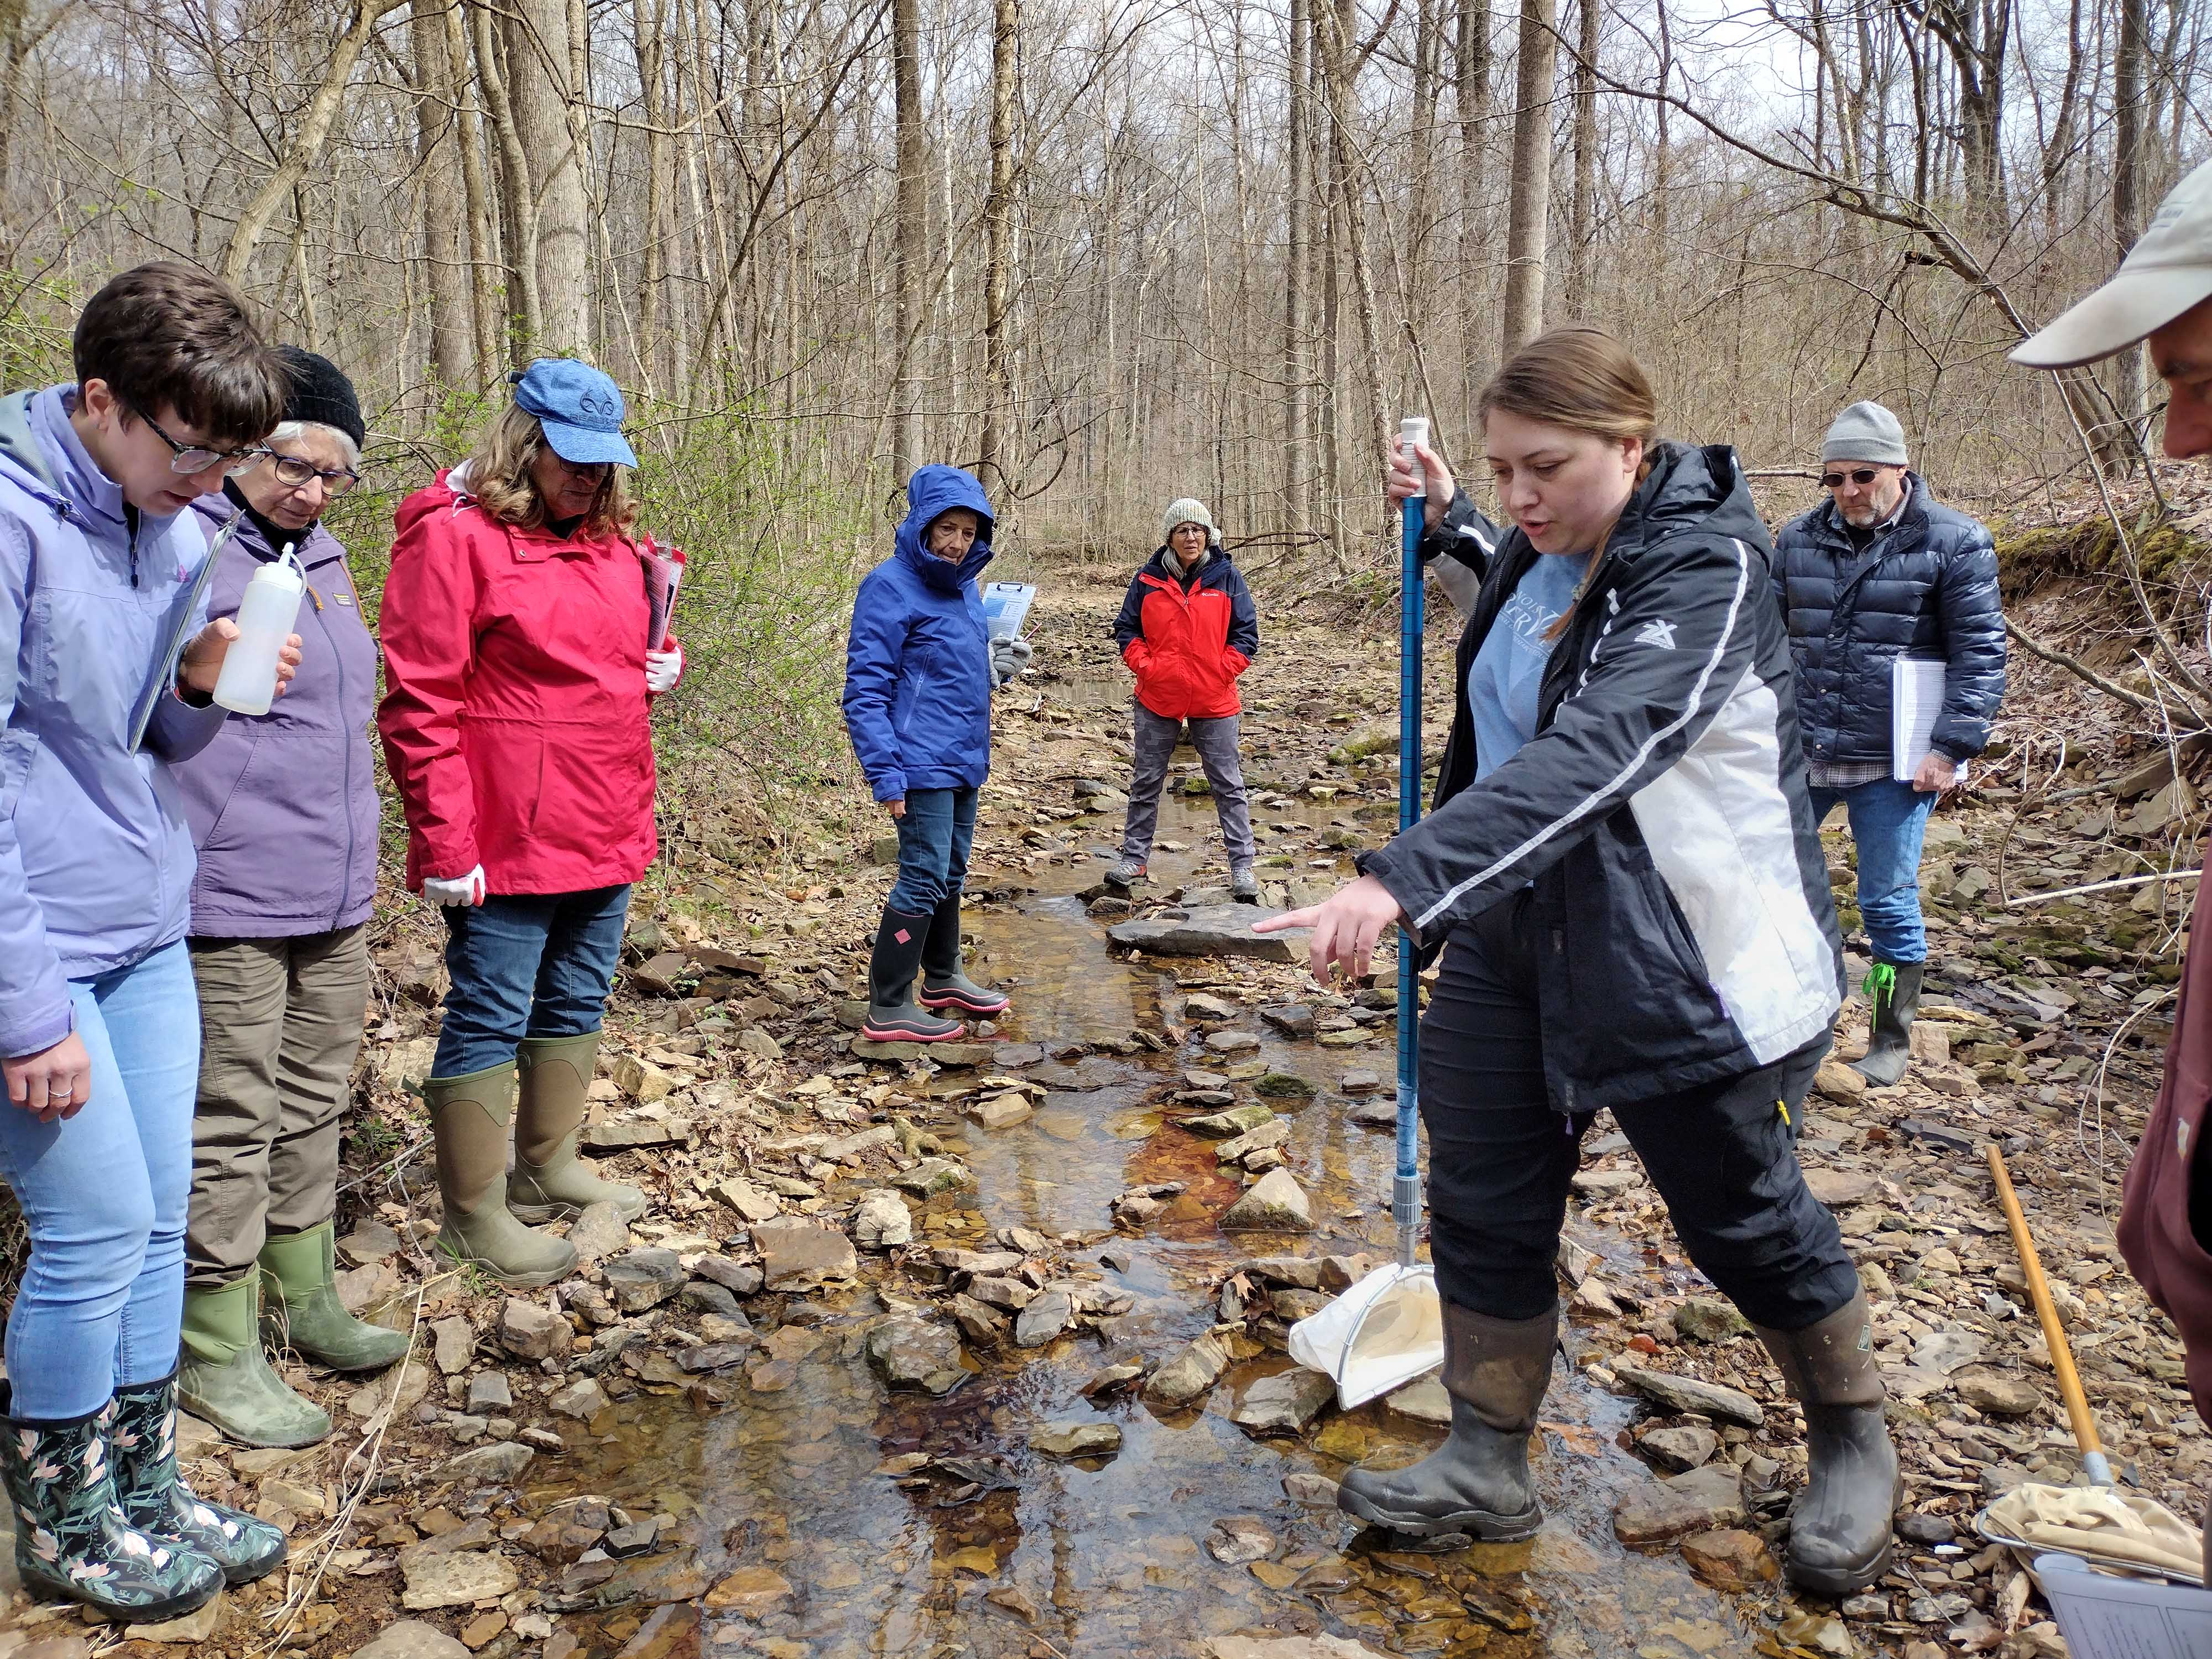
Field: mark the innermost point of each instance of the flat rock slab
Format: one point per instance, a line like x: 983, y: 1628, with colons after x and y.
x: 1839, y: 1188
x: 909, y: 1351
x: 803, y: 1256
x: 410, y: 1638
x: 1287, y: 1647
x: 1701, y: 1501
x: 1285, y: 1403
x: 1069, y: 1441
x: 1688, y: 1394
x: 1730, y: 1558
x: 2007, y: 1394
x: 1188, y: 1373
x: 455, y: 1580
x: 1219, y: 931
x: 1691, y: 1446
x: 1237, y: 1121
x: 955, y: 1055
x: 1274, y: 1203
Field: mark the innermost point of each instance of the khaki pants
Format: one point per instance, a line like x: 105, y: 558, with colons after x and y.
x: 280, y: 1024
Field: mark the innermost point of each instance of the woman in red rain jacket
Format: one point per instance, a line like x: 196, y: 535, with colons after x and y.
x: 1187, y: 629
x: 514, y: 723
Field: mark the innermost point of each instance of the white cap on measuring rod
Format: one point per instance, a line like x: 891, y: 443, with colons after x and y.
x: 1413, y: 430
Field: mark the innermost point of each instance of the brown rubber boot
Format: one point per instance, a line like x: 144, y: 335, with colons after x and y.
x: 1478, y: 1481
x: 1840, y: 1525
x: 550, y: 1183
x: 470, y: 1116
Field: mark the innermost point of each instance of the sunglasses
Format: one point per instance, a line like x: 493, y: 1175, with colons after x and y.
x: 1863, y: 477
x: 189, y: 459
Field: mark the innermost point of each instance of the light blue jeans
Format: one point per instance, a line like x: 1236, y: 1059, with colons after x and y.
x: 105, y: 1194
x: 1888, y: 819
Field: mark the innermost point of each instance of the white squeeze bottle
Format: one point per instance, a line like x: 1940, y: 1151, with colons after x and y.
x: 247, y: 685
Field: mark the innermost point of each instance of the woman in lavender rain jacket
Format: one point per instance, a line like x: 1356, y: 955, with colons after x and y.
x: 283, y: 809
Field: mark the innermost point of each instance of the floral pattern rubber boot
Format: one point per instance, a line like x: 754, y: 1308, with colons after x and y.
x: 71, y: 1537
x: 143, y: 1438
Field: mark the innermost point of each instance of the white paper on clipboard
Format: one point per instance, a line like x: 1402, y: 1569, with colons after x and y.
x: 2107, y: 1618
x: 1006, y: 607
x: 1915, y: 699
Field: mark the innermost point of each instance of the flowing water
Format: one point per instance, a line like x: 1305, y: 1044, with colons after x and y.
x: 1109, y: 1560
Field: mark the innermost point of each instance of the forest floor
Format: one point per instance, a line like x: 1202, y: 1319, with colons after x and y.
x: 949, y: 1353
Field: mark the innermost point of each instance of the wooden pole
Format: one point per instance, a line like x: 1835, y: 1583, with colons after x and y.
x: 2054, y: 1334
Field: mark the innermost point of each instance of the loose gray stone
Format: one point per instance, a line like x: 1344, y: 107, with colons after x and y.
x: 1044, y: 1318
x: 909, y: 1351
x: 1067, y: 1441
x: 739, y: 1279
x: 1285, y: 1403
x: 883, y: 1222
x: 1219, y: 931
x: 582, y: 1399
x: 1688, y: 1394
x: 1188, y: 1373
x: 600, y: 1233
x: 933, y: 1176
x: 457, y: 1579
x: 1232, y: 1042
x: 453, y: 1342
x: 639, y: 1280
x: 410, y: 1638
x: 488, y: 1392
x: 1700, y: 1501
x: 704, y: 1296
x: 1292, y: 1020
x: 1274, y: 1203
x: 1690, y: 1446
x: 1706, y: 1319
x: 503, y: 1463
x: 1234, y: 1540
x: 529, y: 1330
x: 1237, y: 1121
x: 798, y: 1256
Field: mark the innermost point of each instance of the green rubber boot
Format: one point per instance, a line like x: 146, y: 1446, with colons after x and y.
x: 226, y: 1378
x: 300, y: 1305
x: 550, y: 1183
x: 470, y: 1115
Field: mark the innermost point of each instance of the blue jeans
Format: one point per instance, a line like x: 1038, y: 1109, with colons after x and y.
x: 526, y: 965
x: 105, y: 1194
x: 1888, y: 819
x: 934, y: 837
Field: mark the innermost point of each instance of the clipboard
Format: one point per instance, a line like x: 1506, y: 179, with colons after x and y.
x: 1006, y: 607
x: 165, y: 676
x: 2108, y: 1617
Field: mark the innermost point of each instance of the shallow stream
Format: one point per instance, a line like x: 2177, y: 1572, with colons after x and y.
x: 1109, y: 1560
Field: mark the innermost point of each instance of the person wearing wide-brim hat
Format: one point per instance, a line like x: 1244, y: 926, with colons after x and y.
x: 515, y: 725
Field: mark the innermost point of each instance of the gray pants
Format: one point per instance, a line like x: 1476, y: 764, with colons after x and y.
x: 280, y: 1024
x: 1216, y: 743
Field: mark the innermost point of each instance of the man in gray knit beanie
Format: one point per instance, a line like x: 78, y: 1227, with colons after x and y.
x: 1883, y: 571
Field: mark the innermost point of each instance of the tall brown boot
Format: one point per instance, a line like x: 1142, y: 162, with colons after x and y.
x: 1478, y: 1481
x: 470, y: 1115
x: 1840, y: 1526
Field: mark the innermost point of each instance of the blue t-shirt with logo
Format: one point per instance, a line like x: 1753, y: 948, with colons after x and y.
x: 1503, y: 681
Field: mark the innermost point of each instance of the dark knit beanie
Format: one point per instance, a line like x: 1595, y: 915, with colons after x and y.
x: 321, y: 393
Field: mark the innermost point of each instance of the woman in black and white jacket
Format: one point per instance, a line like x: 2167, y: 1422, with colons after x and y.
x: 1622, y: 860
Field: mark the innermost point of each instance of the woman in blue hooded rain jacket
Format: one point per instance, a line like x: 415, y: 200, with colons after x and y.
x: 920, y: 668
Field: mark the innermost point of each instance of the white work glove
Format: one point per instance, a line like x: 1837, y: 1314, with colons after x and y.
x: 663, y: 669
x: 461, y: 889
x: 1009, y: 656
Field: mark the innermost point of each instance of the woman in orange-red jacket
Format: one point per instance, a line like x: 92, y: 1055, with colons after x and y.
x: 1187, y: 629
x: 515, y: 626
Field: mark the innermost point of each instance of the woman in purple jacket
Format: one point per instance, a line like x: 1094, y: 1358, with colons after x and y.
x: 282, y: 806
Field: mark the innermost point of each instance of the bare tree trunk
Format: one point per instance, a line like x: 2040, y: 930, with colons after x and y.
x: 525, y: 311
x: 307, y: 147
x: 1344, y: 67
x: 1528, y: 220
x: 999, y: 231
x: 913, y: 231
x: 1421, y: 209
x: 1471, y: 94
x: 1297, y: 404
x: 652, y: 22
x: 484, y: 256
x: 538, y: 63
x: 445, y: 279
x: 1585, y: 206
x: 2128, y: 177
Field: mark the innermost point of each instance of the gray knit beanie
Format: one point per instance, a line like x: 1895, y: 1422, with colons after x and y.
x: 1188, y: 511
x: 1865, y: 432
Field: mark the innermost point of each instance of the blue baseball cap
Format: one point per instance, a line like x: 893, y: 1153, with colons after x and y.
x: 580, y: 409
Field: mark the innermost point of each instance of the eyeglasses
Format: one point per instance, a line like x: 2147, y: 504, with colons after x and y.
x: 592, y: 470
x: 296, y: 472
x: 189, y: 459
x: 1863, y: 477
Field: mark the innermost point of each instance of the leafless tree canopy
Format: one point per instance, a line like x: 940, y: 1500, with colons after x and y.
x: 1124, y: 249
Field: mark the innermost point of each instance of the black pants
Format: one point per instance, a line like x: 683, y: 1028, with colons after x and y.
x: 1724, y: 1155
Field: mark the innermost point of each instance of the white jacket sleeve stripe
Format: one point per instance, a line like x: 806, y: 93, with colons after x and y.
x: 1603, y: 798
